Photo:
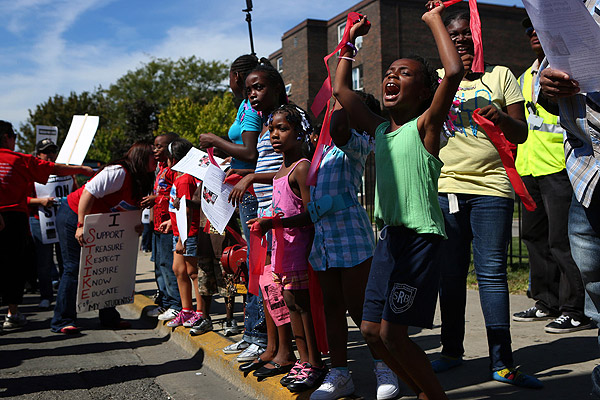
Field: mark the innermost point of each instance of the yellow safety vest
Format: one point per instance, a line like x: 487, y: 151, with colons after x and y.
x: 543, y: 152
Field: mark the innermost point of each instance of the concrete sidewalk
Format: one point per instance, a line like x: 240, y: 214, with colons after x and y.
x: 562, y: 362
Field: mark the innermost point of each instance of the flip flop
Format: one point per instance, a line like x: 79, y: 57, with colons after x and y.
x: 70, y: 330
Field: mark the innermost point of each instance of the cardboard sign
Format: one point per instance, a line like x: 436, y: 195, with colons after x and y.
x: 108, y: 260
x: 46, y: 132
x: 78, y: 140
x: 57, y: 187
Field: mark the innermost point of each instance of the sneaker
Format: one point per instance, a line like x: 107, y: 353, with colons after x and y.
x: 251, y: 353
x: 517, y: 378
x: 445, y: 363
x: 235, y: 348
x: 291, y: 376
x: 566, y: 324
x: 308, y: 378
x: 156, y: 311
x: 44, y: 304
x: 201, y: 326
x: 532, y: 314
x: 168, y: 315
x: 335, y: 385
x: 180, y: 319
x: 230, y: 328
x: 14, y: 321
x: 191, y: 321
x: 387, y: 381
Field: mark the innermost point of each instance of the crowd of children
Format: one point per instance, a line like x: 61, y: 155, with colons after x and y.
x: 315, y: 236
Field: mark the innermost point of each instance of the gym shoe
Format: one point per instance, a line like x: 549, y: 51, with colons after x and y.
x: 44, y: 304
x: 251, y: 353
x: 532, y: 314
x: 230, y: 328
x: 180, y: 319
x: 335, y: 385
x: 444, y: 363
x: 517, y: 378
x: 168, y: 315
x: 308, y: 377
x: 156, y: 311
x: 566, y: 324
x: 291, y: 376
x: 201, y: 326
x: 191, y: 321
x: 237, y: 347
x: 387, y: 381
x: 14, y: 321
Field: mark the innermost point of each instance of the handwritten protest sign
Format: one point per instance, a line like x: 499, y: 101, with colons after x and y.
x: 108, y: 260
x: 78, y: 140
x: 57, y: 187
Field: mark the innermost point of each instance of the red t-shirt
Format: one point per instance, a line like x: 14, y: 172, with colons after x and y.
x: 162, y: 189
x: 119, y: 201
x: 185, y: 185
x: 17, y: 172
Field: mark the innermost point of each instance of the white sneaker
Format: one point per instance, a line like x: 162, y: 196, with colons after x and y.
x: 155, y: 312
x: 335, y: 385
x: 250, y: 354
x: 236, y: 347
x: 168, y: 315
x: 387, y: 381
x: 44, y: 304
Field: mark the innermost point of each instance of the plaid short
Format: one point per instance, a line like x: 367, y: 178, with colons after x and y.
x: 292, y: 280
x: 211, y: 279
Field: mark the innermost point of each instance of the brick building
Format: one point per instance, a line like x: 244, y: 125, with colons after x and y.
x: 397, y: 30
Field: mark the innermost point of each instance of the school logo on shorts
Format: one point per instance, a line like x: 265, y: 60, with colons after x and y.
x: 402, y: 297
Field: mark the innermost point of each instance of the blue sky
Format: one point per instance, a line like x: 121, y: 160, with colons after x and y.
x: 58, y: 46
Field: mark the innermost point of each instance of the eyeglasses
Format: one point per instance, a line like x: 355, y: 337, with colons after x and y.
x: 529, y: 31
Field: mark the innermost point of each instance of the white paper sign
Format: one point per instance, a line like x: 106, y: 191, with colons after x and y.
x: 78, y: 140
x: 57, y: 187
x: 108, y: 260
x: 570, y: 38
x: 214, y: 201
x: 196, y: 163
x: 46, y: 132
x: 181, y: 218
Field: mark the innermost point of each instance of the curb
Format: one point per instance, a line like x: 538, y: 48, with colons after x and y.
x: 210, y: 345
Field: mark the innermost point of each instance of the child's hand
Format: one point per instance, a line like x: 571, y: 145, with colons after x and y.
x: 148, y: 201
x: 165, y: 226
x: 176, y: 203
x: 179, y: 247
x: 47, y: 201
x: 492, y: 113
x: 434, y: 8
x: 266, y: 224
x: 206, y: 140
x: 238, y: 191
x: 360, y: 28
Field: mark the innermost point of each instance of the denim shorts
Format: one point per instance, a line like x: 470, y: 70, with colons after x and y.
x: 191, y: 246
x: 404, y: 279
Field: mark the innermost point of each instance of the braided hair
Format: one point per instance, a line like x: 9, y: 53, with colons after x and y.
x: 297, y: 117
x: 273, y: 76
x: 243, y: 65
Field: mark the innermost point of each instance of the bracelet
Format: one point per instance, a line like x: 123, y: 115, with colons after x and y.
x: 347, y: 58
x: 80, y: 224
x: 353, y: 47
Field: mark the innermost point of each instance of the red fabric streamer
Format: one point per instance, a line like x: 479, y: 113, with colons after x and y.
x: 323, y: 98
x: 502, y: 145
x: 233, y: 180
x: 317, y: 310
x: 211, y: 156
x: 258, y: 251
x: 475, y: 25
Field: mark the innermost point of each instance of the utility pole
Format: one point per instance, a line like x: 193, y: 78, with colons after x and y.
x: 249, y: 21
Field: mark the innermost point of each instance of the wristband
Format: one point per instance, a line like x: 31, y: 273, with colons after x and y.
x: 347, y: 58
x: 80, y: 225
x: 353, y: 47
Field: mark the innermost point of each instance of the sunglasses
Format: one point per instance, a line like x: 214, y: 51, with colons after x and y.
x: 529, y: 31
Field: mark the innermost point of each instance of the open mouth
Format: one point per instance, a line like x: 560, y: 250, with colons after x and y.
x: 391, y: 91
x: 463, y: 50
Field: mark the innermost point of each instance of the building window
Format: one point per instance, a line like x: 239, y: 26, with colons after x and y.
x: 280, y: 64
x: 357, y: 78
x: 288, y: 89
x: 341, y: 28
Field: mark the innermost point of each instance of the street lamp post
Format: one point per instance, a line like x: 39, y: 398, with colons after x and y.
x: 249, y: 21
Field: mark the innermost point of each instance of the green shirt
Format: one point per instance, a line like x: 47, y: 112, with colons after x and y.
x: 406, y: 189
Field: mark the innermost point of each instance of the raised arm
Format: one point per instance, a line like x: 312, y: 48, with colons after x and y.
x: 361, y: 117
x: 430, y: 124
x: 244, y: 152
x: 64, y: 170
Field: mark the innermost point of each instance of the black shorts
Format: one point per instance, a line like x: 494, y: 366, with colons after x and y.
x: 404, y: 279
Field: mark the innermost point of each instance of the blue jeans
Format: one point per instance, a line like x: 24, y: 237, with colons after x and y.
x: 255, y: 328
x: 65, y: 311
x: 584, y: 235
x: 44, y: 254
x: 162, y: 252
x: 486, y: 222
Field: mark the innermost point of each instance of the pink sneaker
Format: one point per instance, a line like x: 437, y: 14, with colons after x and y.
x: 180, y: 319
x: 191, y: 321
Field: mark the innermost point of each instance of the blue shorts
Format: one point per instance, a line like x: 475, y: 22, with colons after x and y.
x: 404, y: 279
x: 191, y: 246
